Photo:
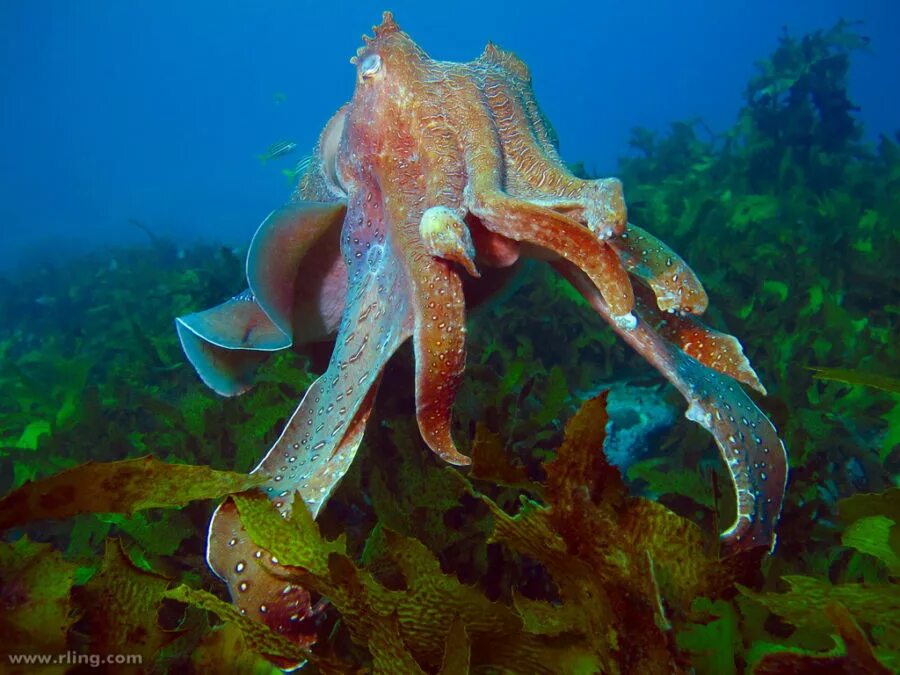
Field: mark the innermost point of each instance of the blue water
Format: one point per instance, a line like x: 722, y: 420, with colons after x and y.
x: 156, y: 110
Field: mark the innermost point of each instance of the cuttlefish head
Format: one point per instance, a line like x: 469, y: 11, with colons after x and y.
x: 388, y: 67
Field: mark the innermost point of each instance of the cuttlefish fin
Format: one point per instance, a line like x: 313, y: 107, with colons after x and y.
x: 298, y: 233
x: 748, y: 442
x: 295, y: 261
x: 226, y: 344
x: 714, y: 349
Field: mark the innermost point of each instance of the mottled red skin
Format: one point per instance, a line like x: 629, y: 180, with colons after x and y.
x: 449, y: 171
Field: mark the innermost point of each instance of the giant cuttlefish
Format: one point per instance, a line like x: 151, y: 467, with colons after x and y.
x: 436, y: 174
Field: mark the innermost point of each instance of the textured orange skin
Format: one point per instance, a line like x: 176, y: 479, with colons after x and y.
x: 469, y: 139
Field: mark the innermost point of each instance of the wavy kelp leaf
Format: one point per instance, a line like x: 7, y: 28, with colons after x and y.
x: 497, y: 635
x: 682, y: 568
x: 436, y: 597
x: 858, y: 377
x: 880, y: 534
x: 877, y: 536
x: 411, y: 493
x: 595, y: 620
x: 865, y: 504
x: 120, y: 606
x: 592, y: 512
x: 580, y: 477
x: 158, y: 533
x: 259, y: 637
x: 555, y: 397
x: 673, y: 481
x: 806, y: 601
x: 457, y: 650
x: 389, y: 654
x: 295, y: 541
x: 771, y: 658
x: 117, y: 487
x: 545, y: 618
x: 856, y: 656
x: 425, y: 607
x: 712, y: 644
x: 35, y: 608
x: 491, y: 462
x: 224, y: 649
x: 615, y: 559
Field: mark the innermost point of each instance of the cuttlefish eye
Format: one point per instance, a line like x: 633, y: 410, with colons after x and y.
x: 370, y: 65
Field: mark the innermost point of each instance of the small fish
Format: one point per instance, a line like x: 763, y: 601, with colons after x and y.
x: 279, y: 149
x: 279, y: 97
x: 299, y: 169
x: 45, y: 301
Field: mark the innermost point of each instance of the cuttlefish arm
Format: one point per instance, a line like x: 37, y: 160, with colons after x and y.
x: 226, y: 344
x: 674, y: 283
x: 747, y: 440
x: 321, y: 438
x: 253, y: 576
x: 714, y: 349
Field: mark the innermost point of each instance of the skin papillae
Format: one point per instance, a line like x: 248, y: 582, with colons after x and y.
x: 432, y: 172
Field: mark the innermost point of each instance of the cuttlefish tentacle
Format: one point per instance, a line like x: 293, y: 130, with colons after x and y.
x: 747, y: 440
x: 714, y: 349
x: 431, y: 239
x: 226, y: 344
x: 676, y: 286
x: 442, y: 228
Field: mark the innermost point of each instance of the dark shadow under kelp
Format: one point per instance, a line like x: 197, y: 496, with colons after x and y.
x: 536, y: 559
